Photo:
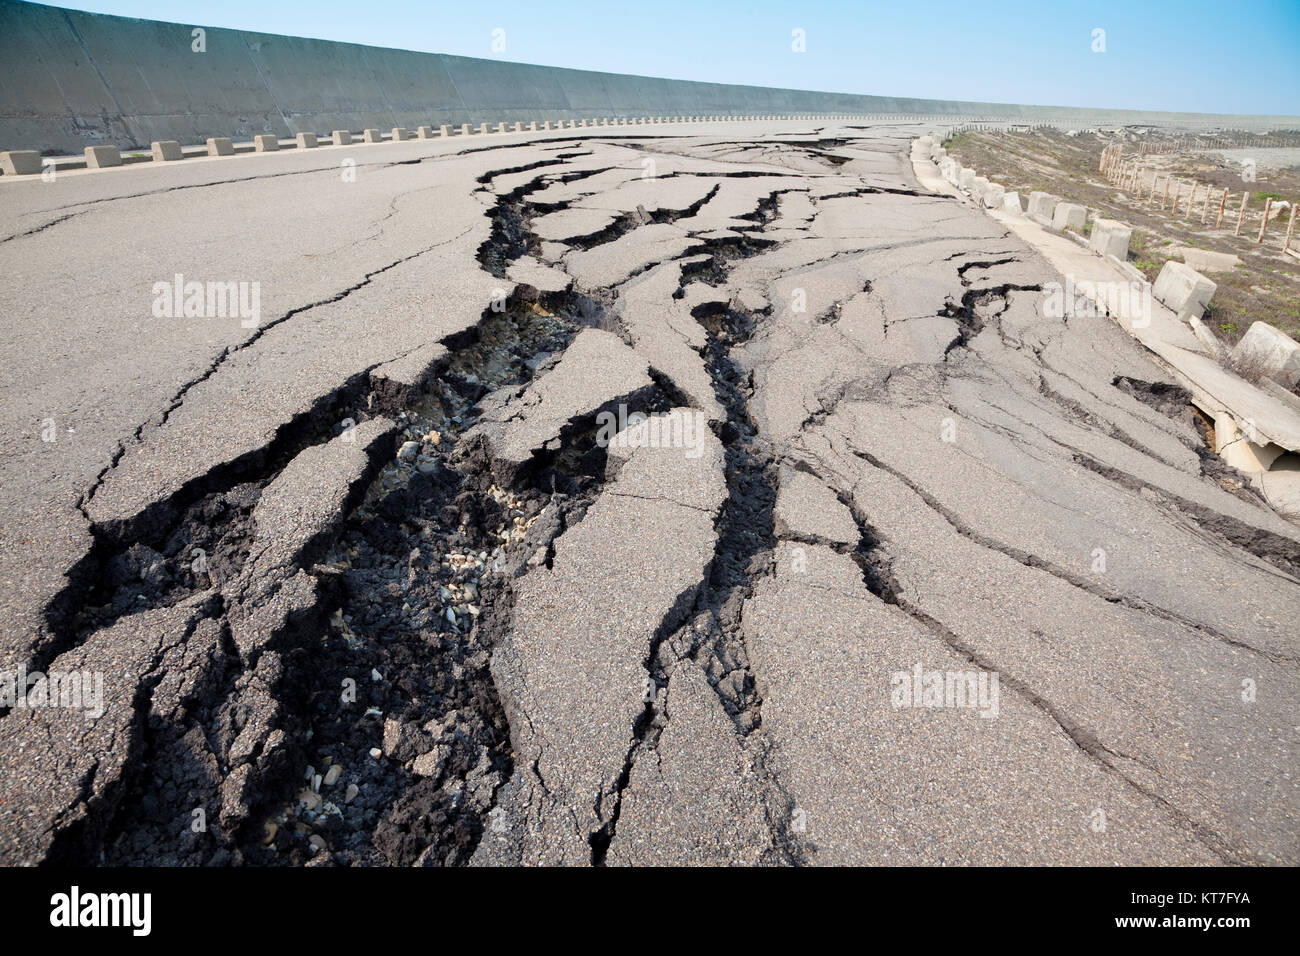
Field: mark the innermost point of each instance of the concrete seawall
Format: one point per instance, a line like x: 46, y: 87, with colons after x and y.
x: 73, y: 79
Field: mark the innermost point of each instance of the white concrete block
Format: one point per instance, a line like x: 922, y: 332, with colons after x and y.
x: 1110, y: 237
x: 266, y: 142
x: 992, y: 196
x: 306, y: 140
x: 426, y: 132
x: 1182, y: 288
x: 464, y: 129
x: 977, y: 187
x: 1011, y: 203
x: 342, y: 137
x: 101, y: 157
x: 165, y: 150
x: 1069, y: 215
x: 1042, y: 206
x: 1274, y: 352
x: 20, y: 162
x: 399, y: 134
x: 372, y: 136
x: 220, y: 146
x: 965, y: 177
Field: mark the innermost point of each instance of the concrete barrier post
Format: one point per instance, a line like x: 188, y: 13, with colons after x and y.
x: 1070, y: 215
x: 1183, y: 289
x: 342, y: 137
x: 1110, y: 238
x: 20, y: 162
x: 399, y: 133
x: 372, y: 136
x: 101, y: 157
x: 464, y: 129
x: 306, y: 140
x: 1042, y: 206
x: 165, y: 150
x: 266, y: 142
x: 220, y: 146
x: 426, y: 132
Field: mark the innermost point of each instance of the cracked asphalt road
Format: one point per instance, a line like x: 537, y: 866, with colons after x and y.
x: 377, y: 582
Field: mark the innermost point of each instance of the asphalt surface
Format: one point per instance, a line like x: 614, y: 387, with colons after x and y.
x: 868, y: 454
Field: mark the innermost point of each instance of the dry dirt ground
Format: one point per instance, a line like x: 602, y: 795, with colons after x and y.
x: 603, y: 500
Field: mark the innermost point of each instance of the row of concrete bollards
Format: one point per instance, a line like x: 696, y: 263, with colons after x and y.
x: 1180, y: 287
x: 30, y: 162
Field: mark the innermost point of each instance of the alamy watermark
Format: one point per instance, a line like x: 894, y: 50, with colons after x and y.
x: 208, y: 300
x: 1127, y: 301
x: 70, y: 690
x: 973, y: 690
x: 634, y: 430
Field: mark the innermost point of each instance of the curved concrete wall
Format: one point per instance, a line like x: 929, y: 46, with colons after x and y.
x: 70, y: 80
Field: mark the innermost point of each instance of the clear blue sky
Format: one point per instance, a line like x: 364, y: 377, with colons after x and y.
x: 1192, y: 55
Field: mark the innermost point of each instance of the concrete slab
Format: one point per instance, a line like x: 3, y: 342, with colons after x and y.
x: 1206, y: 260
x: 1214, y: 388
